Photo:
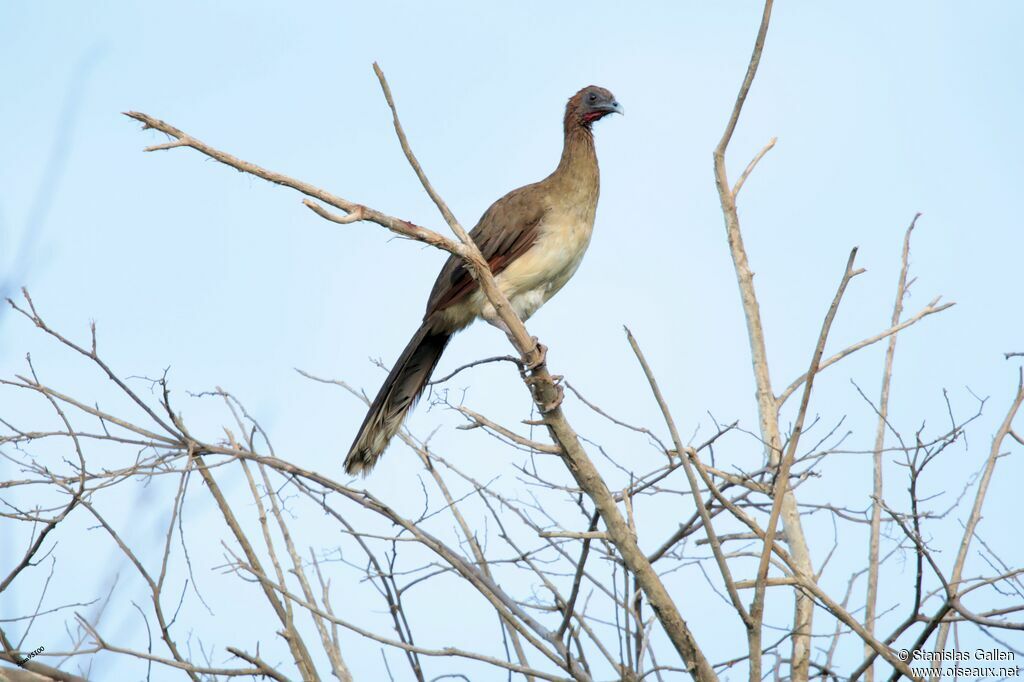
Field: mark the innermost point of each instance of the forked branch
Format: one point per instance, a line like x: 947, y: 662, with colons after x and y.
x: 540, y: 382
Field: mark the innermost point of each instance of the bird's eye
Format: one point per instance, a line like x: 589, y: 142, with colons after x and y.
x: 593, y: 97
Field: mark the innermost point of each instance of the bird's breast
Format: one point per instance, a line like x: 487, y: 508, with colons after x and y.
x: 533, y: 278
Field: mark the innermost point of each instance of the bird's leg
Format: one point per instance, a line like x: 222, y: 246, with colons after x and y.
x: 541, y: 354
x: 549, y: 405
x: 540, y: 351
x: 492, y: 319
x: 535, y: 381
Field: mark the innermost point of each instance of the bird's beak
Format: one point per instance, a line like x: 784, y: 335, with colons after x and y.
x: 613, y: 107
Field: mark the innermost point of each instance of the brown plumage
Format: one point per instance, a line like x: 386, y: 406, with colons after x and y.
x: 533, y: 239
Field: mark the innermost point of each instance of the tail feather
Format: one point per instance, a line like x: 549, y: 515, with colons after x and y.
x: 396, y: 397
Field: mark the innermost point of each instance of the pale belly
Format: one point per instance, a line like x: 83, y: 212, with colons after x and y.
x: 533, y: 278
x: 541, y: 272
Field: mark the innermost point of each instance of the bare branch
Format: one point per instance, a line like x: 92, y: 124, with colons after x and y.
x: 930, y: 309
x: 750, y: 166
x: 877, y: 482
x: 979, y: 500
x: 782, y: 477
x: 716, y: 545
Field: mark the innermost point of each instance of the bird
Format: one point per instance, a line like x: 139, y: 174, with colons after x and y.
x: 533, y: 239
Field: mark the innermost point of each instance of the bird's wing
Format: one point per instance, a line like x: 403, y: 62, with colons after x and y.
x: 505, y: 231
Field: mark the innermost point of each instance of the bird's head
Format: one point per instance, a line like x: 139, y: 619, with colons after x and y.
x: 590, y: 104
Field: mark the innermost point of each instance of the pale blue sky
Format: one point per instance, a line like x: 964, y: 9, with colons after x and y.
x: 881, y: 109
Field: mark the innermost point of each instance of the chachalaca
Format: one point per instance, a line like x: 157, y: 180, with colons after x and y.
x: 533, y: 239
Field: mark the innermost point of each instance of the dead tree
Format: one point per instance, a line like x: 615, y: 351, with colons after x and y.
x: 557, y: 548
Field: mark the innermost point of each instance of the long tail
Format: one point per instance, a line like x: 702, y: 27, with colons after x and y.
x: 396, y: 397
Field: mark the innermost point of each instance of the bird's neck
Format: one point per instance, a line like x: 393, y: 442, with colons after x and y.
x: 577, y: 169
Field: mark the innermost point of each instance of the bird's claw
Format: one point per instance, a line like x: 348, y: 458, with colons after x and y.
x: 540, y: 357
x: 556, y: 381
x: 552, y: 405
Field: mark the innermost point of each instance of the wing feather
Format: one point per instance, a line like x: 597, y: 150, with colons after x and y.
x: 505, y: 231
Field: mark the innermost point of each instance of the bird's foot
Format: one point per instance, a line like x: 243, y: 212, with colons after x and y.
x: 552, y: 405
x: 556, y: 381
x: 540, y: 355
